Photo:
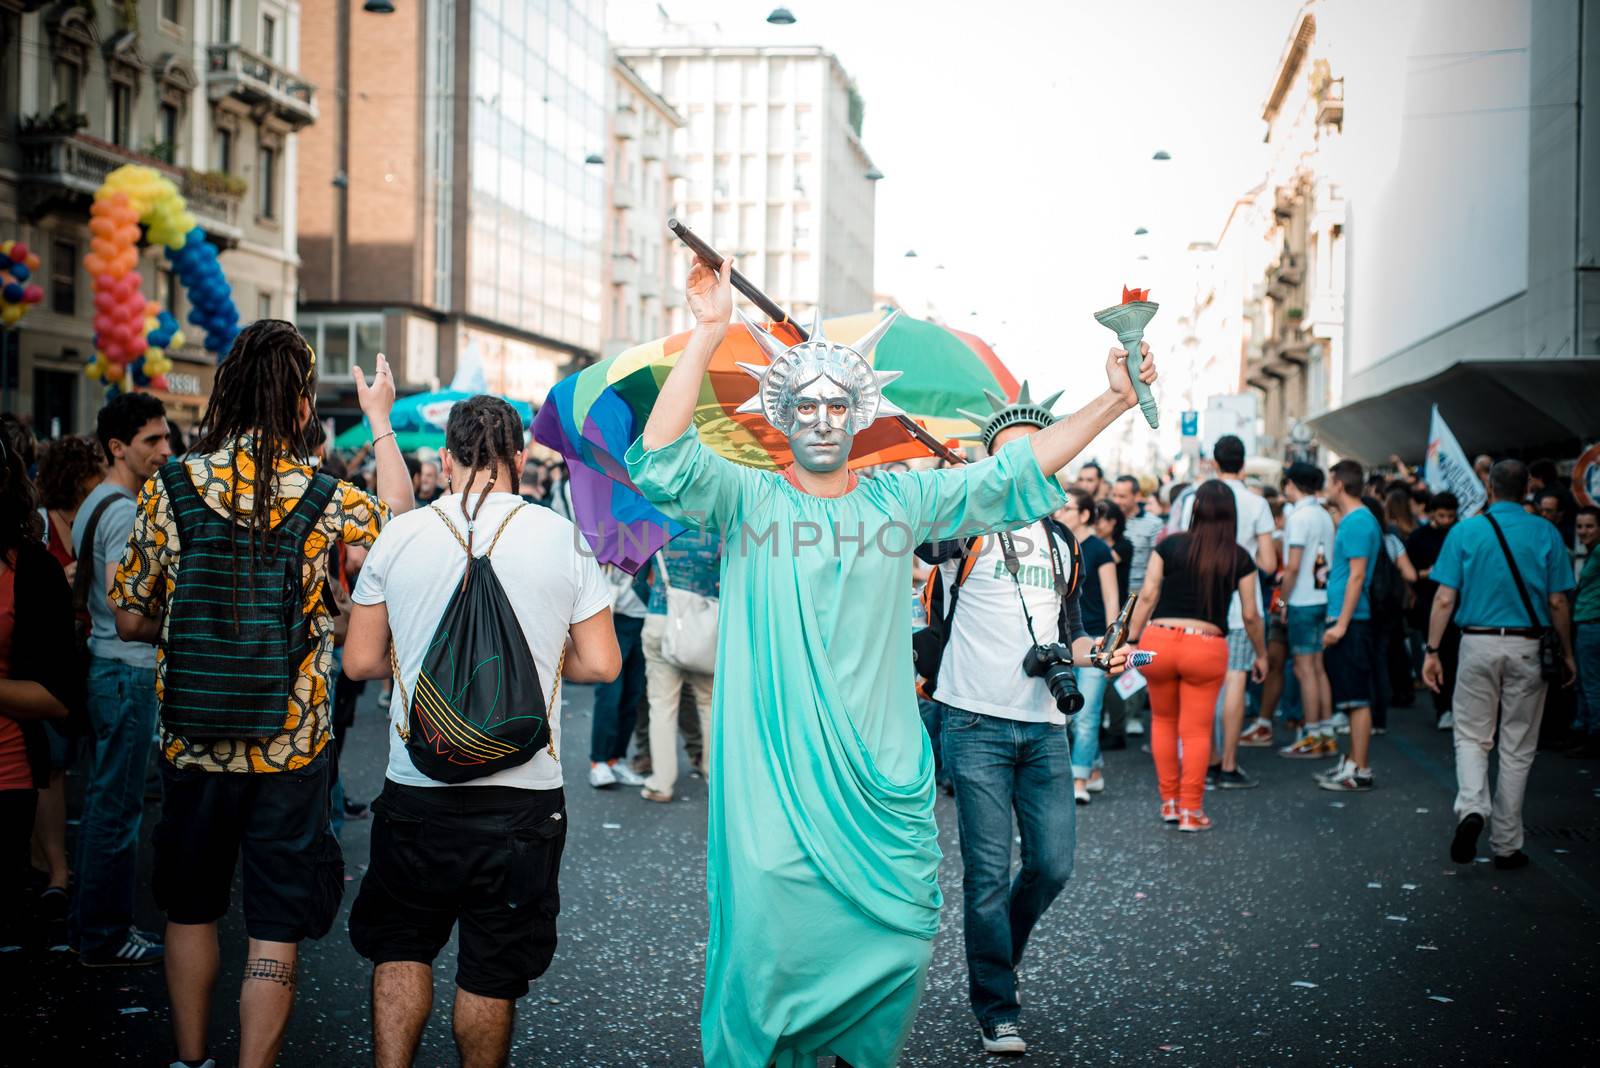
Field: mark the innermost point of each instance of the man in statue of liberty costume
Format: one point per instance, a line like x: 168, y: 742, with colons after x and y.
x: 821, y: 850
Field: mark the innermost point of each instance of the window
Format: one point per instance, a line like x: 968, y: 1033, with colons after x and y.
x: 263, y: 305
x: 171, y: 10
x: 223, y: 154
x: 64, y: 277
x: 269, y: 34
x: 167, y: 292
x: 122, y: 114
x: 266, y: 182
x: 167, y: 119
x: 66, y: 78
x: 224, y: 21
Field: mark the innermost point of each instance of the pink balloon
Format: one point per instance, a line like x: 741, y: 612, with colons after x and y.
x: 137, y: 345
x: 159, y: 381
x: 105, y: 282
x: 19, y: 252
x: 102, y: 324
x: 32, y: 294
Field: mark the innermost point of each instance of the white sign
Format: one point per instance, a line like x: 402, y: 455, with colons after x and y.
x: 1128, y: 683
x: 1447, y: 468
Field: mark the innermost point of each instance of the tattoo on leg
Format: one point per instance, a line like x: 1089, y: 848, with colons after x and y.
x: 272, y: 971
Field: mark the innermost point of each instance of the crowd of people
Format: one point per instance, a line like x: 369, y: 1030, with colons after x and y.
x: 227, y: 598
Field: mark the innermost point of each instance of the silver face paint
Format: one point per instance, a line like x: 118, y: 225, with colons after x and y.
x: 821, y: 433
x: 789, y: 383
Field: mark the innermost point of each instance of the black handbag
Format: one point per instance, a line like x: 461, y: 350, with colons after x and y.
x: 1550, y: 659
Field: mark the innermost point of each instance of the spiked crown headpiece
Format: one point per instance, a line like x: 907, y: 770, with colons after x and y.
x: 1026, y: 412
x: 794, y: 367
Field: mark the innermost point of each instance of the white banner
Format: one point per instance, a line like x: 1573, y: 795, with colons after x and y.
x: 1128, y: 683
x: 1447, y: 468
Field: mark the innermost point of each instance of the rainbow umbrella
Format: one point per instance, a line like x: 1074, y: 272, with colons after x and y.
x: 593, y: 416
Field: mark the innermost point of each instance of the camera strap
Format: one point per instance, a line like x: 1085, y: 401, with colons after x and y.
x: 1057, y: 572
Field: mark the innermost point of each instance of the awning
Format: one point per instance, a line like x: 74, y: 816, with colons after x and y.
x: 1493, y: 406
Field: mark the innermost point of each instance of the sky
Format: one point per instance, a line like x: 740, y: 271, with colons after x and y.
x: 1016, y: 139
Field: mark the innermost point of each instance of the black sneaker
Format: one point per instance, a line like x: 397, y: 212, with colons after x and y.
x: 139, y: 949
x: 355, y: 810
x: 1213, y: 773
x: 1511, y: 861
x: 1004, y: 1039
x: 1464, y: 846
x: 1236, y: 780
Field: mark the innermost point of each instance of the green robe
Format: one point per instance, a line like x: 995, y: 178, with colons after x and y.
x: 822, y: 852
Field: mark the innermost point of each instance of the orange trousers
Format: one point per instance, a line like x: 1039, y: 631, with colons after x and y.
x: 1184, y: 681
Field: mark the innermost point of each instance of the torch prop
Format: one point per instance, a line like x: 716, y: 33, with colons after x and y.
x: 1128, y: 320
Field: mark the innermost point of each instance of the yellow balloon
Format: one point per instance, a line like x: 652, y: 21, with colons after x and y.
x: 177, y: 340
x: 10, y: 313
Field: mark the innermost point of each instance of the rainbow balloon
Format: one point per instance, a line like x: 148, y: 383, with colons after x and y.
x: 17, y: 294
x: 132, y: 335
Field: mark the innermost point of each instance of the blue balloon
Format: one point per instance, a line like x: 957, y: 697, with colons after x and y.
x: 13, y: 292
x: 19, y: 271
x: 196, y: 316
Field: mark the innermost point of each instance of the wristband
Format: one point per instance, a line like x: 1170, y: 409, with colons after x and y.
x: 380, y: 437
x: 1430, y: 650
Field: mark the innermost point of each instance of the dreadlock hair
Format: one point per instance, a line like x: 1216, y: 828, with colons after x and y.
x: 256, y: 396
x: 19, y: 508
x: 483, y: 433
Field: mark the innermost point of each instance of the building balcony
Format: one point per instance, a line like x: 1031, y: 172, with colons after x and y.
x: 649, y: 284
x: 623, y: 196
x: 61, y: 171
x: 624, y: 270
x: 234, y: 71
x: 1330, y: 104
x: 625, y: 125
x: 652, y: 146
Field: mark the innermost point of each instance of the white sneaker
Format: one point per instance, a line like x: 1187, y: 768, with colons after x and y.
x: 1004, y: 1038
x: 1135, y: 727
x: 1341, y: 722
x: 602, y: 775
x: 1447, y: 722
x: 626, y: 775
x: 1096, y: 786
x: 1080, y: 793
x: 209, y: 1062
x: 1342, y: 767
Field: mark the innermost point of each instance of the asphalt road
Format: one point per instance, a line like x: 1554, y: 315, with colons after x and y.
x: 1308, y: 927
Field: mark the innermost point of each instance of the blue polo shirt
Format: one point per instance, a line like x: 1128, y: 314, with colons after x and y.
x: 1472, y: 563
x: 1358, y: 536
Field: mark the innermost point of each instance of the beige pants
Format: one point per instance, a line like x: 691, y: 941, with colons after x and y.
x: 1498, y: 679
x: 663, y: 691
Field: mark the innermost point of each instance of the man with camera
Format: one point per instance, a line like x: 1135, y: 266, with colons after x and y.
x: 1006, y: 690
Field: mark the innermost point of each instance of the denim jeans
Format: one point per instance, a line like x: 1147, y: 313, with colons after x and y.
x: 616, y: 703
x: 1586, y: 650
x: 1086, y: 724
x: 122, y: 713
x: 933, y: 722
x: 1001, y: 765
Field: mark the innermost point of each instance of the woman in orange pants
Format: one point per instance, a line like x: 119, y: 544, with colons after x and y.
x: 1183, y: 618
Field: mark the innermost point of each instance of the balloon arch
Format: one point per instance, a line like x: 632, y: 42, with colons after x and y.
x: 132, y: 335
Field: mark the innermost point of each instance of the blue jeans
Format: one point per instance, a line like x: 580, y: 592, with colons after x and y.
x: 1586, y: 650
x: 1000, y: 766
x: 616, y: 703
x: 932, y: 713
x: 122, y: 714
x: 1086, y: 724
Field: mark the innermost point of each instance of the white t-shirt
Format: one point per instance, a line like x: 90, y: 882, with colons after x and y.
x: 982, y: 667
x: 1254, y: 520
x: 1309, y: 527
x: 416, y: 565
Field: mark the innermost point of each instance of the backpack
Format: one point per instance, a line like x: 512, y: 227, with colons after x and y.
x: 1387, y: 594
x: 478, y: 706
x: 236, y: 630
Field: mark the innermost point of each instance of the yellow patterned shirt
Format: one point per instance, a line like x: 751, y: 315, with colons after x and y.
x: 148, y: 574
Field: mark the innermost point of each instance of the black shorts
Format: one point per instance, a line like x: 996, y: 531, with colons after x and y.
x: 488, y: 856
x: 293, y: 869
x: 1349, y: 667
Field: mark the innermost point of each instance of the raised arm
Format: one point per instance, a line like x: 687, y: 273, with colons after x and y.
x: 710, y: 299
x: 1055, y: 446
x: 394, y: 483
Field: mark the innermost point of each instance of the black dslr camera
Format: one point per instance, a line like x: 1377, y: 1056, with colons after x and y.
x: 1053, y: 664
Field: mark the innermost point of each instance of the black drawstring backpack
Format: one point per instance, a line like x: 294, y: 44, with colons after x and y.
x: 478, y: 706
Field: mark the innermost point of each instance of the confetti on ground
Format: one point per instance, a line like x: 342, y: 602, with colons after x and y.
x: 1408, y: 886
x: 1440, y: 998
x: 1429, y: 948
x: 1374, y: 886
x: 612, y: 826
x: 1422, y: 812
x: 1313, y: 945
x: 1303, y: 984
x: 132, y: 1010
x: 1396, y: 919
x: 1139, y: 895
x: 1336, y: 804
x: 1561, y: 851
x: 1480, y: 860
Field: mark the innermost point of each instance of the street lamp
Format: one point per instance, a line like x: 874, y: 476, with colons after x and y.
x: 1140, y: 232
x: 911, y: 253
x: 781, y: 16
x: 593, y: 159
x: 378, y: 7
x: 874, y: 174
x: 1162, y: 154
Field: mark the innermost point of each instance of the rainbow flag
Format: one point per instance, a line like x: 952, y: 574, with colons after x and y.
x: 593, y: 416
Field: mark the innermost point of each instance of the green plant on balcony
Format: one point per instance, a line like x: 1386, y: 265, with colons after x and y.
x: 60, y: 119
x: 128, y: 15
x: 1296, y: 313
x: 217, y: 183
x: 165, y: 151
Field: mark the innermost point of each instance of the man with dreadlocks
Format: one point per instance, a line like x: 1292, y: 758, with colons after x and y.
x: 821, y: 850
x: 226, y: 573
